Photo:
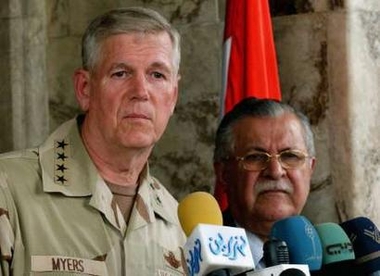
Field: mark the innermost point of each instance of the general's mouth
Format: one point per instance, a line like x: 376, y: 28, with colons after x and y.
x: 137, y: 116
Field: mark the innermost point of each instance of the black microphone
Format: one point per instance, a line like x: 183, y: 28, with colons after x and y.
x: 292, y: 272
x: 275, y: 252
x: 365, y: 238
x: 220, y: 272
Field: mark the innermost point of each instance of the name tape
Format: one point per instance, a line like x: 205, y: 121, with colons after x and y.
x: 68, y: 264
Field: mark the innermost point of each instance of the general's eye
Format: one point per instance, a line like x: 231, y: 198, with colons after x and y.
x: 119, y: 74
x: 158, y: 75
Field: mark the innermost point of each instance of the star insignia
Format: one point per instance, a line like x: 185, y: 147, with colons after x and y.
x: 61, y: 179
x: 61, y: 168
x: 158, y: 199
x: 62, y: 156
x: 62, y: 144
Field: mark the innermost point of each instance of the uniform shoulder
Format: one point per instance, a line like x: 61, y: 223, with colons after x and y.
x: 20, y: 154
x: 16, y: 161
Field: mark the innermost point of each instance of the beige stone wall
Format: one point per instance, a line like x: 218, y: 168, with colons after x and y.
x: 23, y: 88
x: 328, y: 58
x: 328, y: 55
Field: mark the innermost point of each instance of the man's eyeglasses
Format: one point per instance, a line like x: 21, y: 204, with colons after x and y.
x: 258, y: 161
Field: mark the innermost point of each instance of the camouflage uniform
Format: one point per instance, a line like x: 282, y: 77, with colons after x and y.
x: 56, y: 217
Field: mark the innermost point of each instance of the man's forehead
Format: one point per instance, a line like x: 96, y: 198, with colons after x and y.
x: 263, y: 130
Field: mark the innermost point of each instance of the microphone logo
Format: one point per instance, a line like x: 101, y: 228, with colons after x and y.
x: 315, y: 241
x: 375, y: 235
x: 339, y: 248
x: 194, y: 263
x: 231, y: 249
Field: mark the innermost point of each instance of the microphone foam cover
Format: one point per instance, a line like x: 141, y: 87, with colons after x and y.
x: 336, y: 245
x: 302, y: 239
x: 365, y: 238
x: 275, y: 252
x: 198, y: 208
x: 292, y: 272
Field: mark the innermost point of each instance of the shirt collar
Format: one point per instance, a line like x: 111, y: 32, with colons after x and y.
x: 256, y: 246
x: 66, y: 166
x: 154, y: 197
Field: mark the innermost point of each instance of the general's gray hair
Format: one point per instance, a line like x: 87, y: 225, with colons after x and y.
x: 252, y: 107
x: 126, y: 20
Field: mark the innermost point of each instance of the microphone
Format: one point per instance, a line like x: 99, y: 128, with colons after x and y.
x: 338, y: 254
x: 211, y: 248
x: 282, y: 270
x: 292, y: 272
x: 296, y: 237
x: 365, y: 238
x: 302, y: 240
x: 275, y: 252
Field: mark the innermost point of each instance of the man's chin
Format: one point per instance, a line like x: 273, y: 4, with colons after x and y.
x: 277, y: 211
x: 274, y: 197
x: 136, y: 140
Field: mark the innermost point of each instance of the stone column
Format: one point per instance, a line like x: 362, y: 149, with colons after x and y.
x: 23, y: 95
x: 329, y: 60
x: 354, y: 59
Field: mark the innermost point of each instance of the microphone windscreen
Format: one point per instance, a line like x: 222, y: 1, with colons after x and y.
x: 275, y: 252
x: 302, y: 239
x: 198, y: 208
x: 365, y: 238
x: 292, y: 272
x: 336, y: 245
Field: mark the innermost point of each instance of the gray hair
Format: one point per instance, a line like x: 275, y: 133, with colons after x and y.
x: 252, y: 107
x: 126, y: 20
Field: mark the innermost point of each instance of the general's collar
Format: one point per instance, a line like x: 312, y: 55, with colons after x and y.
x: 66, y: 166
x: 68, y: 169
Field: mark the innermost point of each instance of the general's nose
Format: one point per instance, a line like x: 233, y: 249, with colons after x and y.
x: 139, y: 87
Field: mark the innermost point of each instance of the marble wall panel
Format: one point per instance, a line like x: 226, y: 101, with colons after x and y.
x: 357, y: 175
x: 289, y: 7
x: 183, y: 159
x: 23, y: 55
x: 35, y: 89
x: 10, y: 8
x: 58, y: 18
x: 365, y: 5
x: 63, y: 58
x: 181, y: 11
x: 6, y: 141
x: 302, y: 54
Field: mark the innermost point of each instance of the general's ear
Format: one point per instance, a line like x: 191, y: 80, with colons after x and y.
x: 81, y: 81
x: 174, y: 100
x: 313, y: 161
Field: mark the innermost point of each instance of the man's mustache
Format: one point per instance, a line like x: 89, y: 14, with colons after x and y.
x: 270, y: 185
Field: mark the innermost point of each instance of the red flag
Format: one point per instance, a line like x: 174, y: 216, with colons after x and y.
x: 250, y: 65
